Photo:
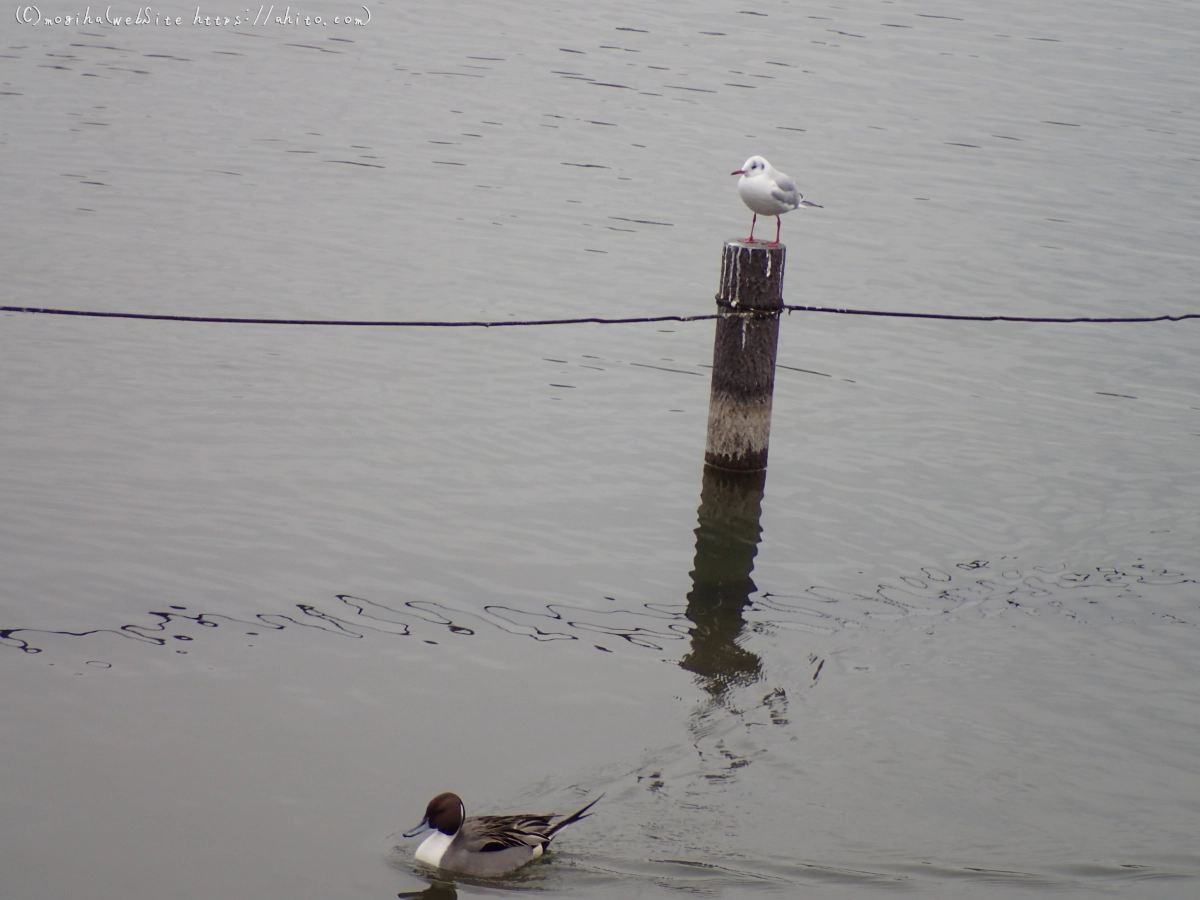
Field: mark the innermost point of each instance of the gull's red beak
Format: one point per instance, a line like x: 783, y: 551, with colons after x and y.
x: 738, y: 172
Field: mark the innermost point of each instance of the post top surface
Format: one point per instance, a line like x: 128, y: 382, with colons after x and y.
x: 757, y: 245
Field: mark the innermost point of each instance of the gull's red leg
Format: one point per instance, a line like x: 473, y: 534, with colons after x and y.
x: 778, y: 222
x: 750, y: 240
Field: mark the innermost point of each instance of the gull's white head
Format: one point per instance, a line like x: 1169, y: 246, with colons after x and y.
x: 755, y: 165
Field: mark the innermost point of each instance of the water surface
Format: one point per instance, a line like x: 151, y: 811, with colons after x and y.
x: 264, y: 590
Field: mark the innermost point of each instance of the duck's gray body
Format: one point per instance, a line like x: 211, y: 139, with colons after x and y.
x: 485, y: 846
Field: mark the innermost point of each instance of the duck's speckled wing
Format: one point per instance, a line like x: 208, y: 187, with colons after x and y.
x: 493, y: 833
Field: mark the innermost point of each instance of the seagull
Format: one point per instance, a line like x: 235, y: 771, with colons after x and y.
x: 768, y: 192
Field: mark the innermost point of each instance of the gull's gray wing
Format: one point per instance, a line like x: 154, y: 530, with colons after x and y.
x: 785, y: 191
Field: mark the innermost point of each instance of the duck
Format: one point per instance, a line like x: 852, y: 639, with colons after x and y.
x: 485, y: 846
x: 768, y: 192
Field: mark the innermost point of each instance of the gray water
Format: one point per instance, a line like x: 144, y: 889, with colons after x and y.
x: 264, y: 590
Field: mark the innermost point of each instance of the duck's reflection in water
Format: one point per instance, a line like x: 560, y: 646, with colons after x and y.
x: 726, y: 543
x: 437, y: 890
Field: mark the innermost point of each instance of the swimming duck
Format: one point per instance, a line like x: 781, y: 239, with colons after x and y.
x: 486, y: 846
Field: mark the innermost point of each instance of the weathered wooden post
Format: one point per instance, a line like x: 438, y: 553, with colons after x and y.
x: 743, y: 378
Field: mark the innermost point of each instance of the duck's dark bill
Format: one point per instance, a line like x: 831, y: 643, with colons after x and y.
x: 424, y: 826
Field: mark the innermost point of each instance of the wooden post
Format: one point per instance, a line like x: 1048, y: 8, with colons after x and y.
x: 743, y: 377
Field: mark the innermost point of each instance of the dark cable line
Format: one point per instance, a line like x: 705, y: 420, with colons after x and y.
x: 965, y: 318
x: 589, y: 320
x: 234, y: 320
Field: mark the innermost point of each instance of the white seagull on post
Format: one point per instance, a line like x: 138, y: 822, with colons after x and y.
x: 768, y: 192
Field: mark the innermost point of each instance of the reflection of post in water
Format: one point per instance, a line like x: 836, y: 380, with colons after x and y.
x: 726, y: 543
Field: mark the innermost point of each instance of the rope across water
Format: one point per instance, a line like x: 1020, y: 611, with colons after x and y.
x: 586, y: 320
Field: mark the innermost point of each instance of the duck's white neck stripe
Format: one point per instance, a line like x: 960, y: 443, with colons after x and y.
x: 433, y: 848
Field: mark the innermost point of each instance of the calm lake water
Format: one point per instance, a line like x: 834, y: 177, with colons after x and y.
x: 265, y: 590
